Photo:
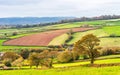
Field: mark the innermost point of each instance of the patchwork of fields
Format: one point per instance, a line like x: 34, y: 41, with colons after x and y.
x: 59, y: 26
x: 103, y: 34
x: 55, y: 38
x: 36, y: 37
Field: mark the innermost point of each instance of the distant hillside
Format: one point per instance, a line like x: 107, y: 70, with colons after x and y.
x: 30, y: 20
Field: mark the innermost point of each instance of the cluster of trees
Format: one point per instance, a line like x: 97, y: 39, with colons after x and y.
x: 102, y: 17
x: 12, y: 59
x: 45, y: 59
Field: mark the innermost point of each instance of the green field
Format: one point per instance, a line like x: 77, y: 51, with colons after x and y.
x: 110, y: 42
x: 78, y: 24
x: 67, y: 71
x: 77, y: 36
x: 59, y: 40
x: 112, y: 30
x: 91, y: 23
x: 105, y: 61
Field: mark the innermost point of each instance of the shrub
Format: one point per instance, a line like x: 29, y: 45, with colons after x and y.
x: 46, y: 63
x: 85, y: 57
x: 14, y: 33
x: 25, y: 54
x: 112, y: 35
x: 7, y: 62
x: 10, y: 55
x: 35, y: 50
x: 110, y: 51
x: 45, y: 59
x: 18, y: 62
x: 34, y: 59
x: 69, y: 37
x: 65, y: 57
x: 75, y: 55
x: 52, y: 46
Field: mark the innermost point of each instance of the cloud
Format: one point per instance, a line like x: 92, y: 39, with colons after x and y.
x: 12, y: 8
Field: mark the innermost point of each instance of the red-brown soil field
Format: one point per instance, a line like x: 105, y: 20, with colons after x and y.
x: 41, y: 39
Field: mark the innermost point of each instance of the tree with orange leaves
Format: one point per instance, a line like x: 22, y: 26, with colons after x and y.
x: 89, y: 44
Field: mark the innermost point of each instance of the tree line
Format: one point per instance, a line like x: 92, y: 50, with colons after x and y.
x: 102, y: 17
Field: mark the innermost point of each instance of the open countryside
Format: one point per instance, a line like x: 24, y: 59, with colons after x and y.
x: 106, y: 32
x: 59, y: 37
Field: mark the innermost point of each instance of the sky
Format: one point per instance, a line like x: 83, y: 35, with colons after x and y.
x: 58, y: 8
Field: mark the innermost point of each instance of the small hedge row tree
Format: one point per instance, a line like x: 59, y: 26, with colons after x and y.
x: 65, y: 57
x: 11, y: 57
x: 45, y: 59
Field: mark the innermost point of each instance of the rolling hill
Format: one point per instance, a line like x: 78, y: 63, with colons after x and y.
x: 30, y: 20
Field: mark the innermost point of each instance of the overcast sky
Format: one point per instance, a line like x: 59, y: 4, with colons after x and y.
x: 52, y: 8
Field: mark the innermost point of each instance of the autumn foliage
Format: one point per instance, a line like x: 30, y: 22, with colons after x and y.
x: 88, y: 44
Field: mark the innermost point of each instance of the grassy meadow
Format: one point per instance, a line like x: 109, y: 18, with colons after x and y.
x: 59, y: 40
x: 66, y: 69
x: 112, y: 30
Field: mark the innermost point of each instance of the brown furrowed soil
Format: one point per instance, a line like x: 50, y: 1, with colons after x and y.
x: 41, y: 39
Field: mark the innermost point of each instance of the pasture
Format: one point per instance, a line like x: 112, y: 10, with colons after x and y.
x: 115, y: 30
x: 103, y: 34
x: 59, y: 40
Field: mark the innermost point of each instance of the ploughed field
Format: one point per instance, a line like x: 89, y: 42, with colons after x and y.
x: 41, y: 39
